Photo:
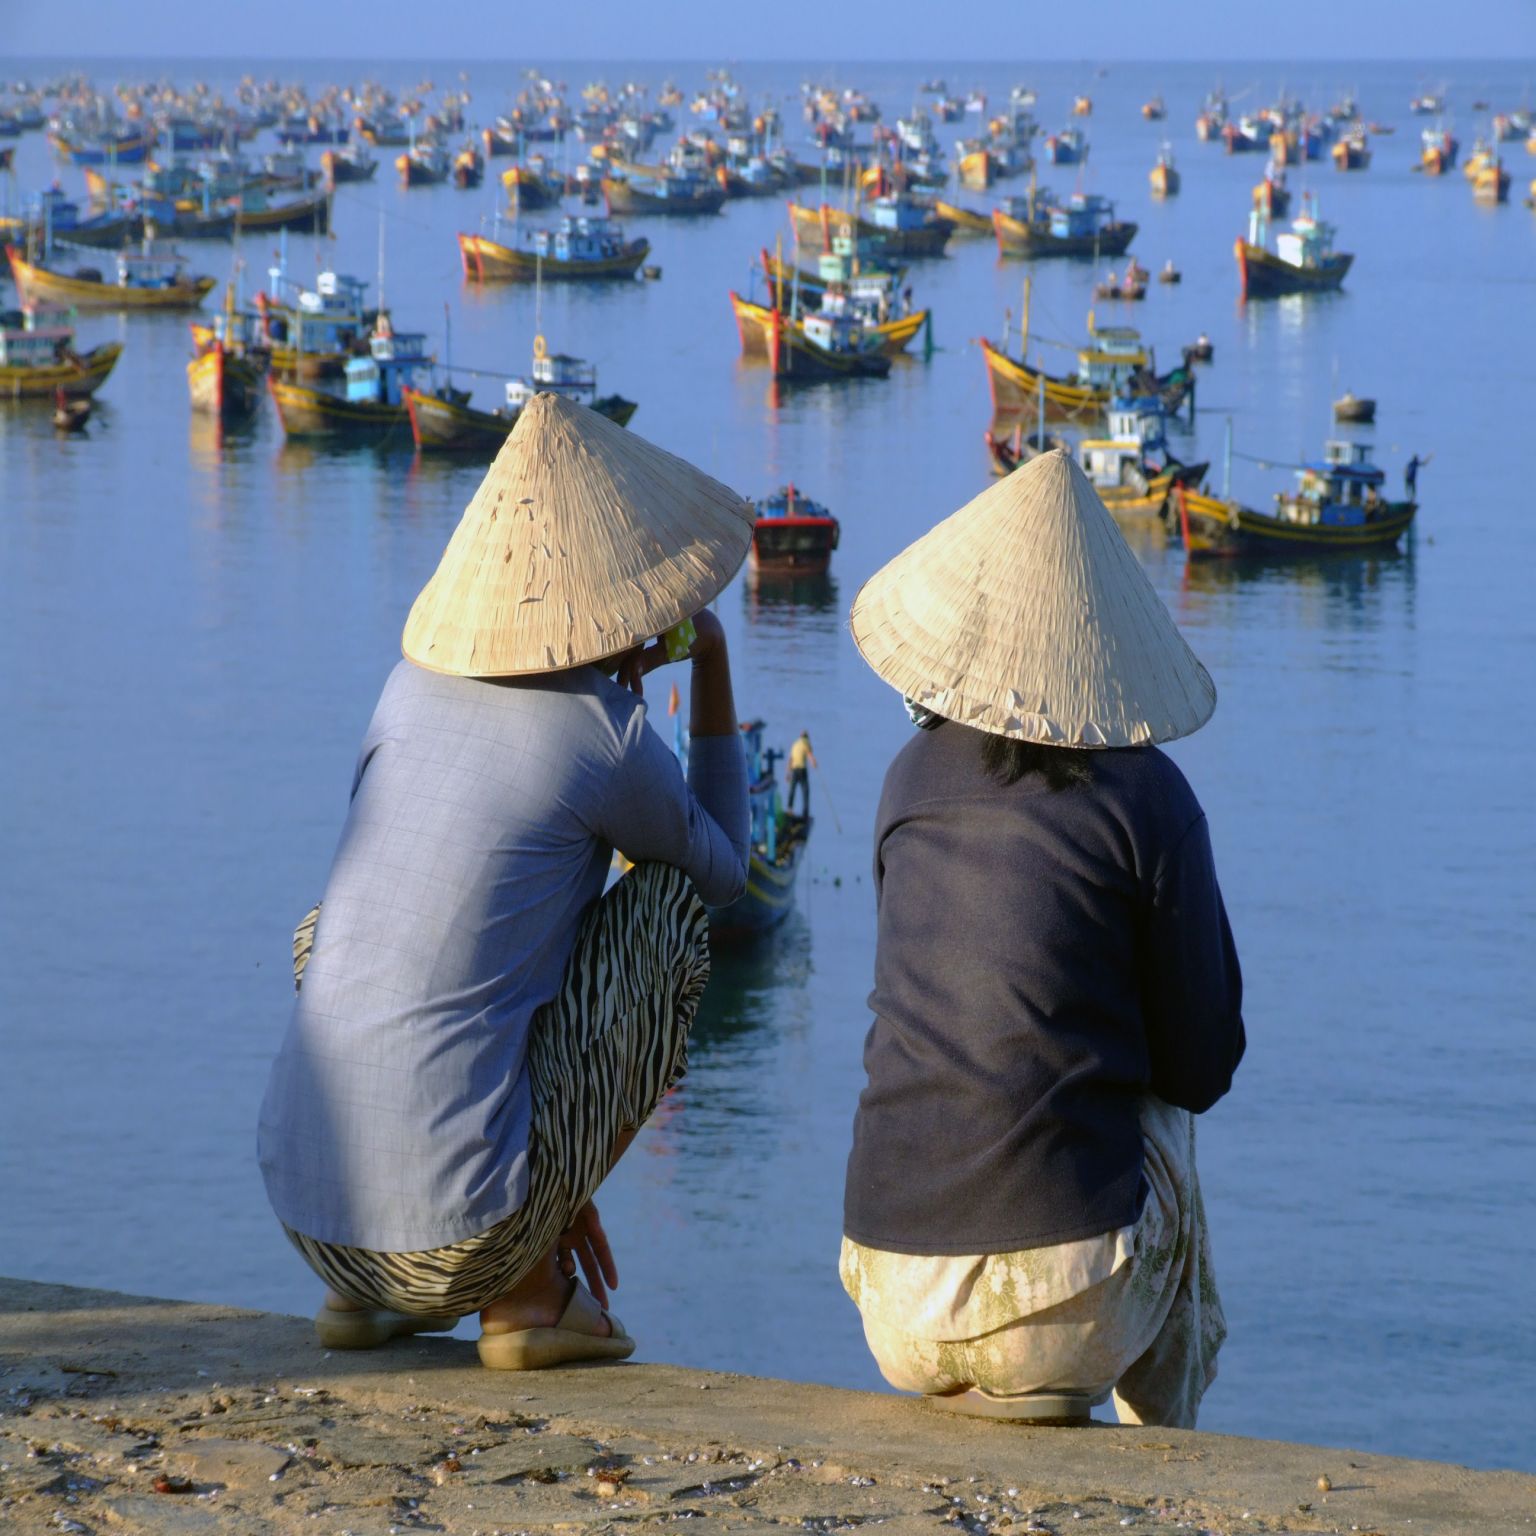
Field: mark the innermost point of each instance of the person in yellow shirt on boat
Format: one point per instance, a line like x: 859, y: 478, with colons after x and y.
x: 800, y: 755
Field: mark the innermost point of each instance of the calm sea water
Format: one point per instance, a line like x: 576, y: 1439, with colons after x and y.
x: 195, y: 630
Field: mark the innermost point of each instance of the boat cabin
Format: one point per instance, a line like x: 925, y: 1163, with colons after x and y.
x: 1114, y: 357
x: 1083, y: 214
x: 833, y: 331
x: 35, y: 337
x: 580, y: 239
x: 1343, y: 490
x: 334, y: 295
x: 554, y: 373
x: 155, y: 266
x: 898, y: 213
x: 394, y: 358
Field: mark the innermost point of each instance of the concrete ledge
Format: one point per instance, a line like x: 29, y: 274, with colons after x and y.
x: 103, y: 1396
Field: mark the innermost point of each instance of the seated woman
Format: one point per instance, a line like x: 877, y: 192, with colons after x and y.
x: 1056, y: 989
x: 480, y: 1031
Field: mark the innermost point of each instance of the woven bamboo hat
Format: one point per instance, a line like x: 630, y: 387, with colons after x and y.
x: 582, y: 541
x: 1025, y: 614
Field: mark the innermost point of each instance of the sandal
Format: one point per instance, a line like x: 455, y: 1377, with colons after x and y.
x: 1058, y: 1407
x: 576, y: 1336
x: 372, y: 1326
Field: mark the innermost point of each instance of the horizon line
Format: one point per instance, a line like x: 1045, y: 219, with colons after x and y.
x: 717, y: 60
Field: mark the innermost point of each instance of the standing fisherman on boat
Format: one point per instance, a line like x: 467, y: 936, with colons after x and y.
x: 480, y: 1031
x: 798, y: 773
x: 1057, y: 991
x: 1411, y: 474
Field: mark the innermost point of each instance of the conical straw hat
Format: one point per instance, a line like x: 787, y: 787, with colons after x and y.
x: 582, y: 541
x: 1025, y: 614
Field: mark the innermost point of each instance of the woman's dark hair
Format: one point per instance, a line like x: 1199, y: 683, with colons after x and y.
x: 1007, y: 761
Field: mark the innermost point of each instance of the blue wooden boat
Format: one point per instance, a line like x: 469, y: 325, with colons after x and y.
x: 778, y: 842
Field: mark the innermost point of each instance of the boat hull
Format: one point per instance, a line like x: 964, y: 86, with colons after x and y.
x: 223, y: 384
x: 794, y: 546
x: 1016, y: 387
x: 754, y: 324
x: 1213, y: 528
x: 81, y: 376
x: 815, y: 227
x: 1015, y: 237
x: 307, y: 412
x: 626, y: 197
x: 770, y: 894
x: 35, y: 282
x: 1264, y: 276
x: 443, y: 426
x: 966, y: 220
x: 306, y: 215
x: 488, y: 261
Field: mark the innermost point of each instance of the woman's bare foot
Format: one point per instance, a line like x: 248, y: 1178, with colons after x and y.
x: 538, y: 1300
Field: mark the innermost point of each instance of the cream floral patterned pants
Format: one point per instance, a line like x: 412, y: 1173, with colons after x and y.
x: 1134, y: 1311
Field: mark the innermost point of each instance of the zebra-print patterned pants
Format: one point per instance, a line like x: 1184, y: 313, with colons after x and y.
x: 601, y: 1053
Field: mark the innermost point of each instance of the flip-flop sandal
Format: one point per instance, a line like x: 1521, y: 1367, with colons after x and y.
x: 575, y: 1337
x: 372, y: 1326
x: 1025, y: 1408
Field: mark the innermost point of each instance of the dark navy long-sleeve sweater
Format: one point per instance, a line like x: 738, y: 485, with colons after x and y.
x: 1045, y: 958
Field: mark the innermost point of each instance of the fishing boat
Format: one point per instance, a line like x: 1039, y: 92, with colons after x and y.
x: 812, y: 348
x: 1303, y: 261
x: 153, y: 277
x: 50, y: 216
x: 468, y: 168
x: 777, y: 846
x: 423, y: 165
x: 348, y: 165
x: 1169, y: 273
x: 113, y: 147
x: 38, y: 357
x: 1131, y: 467
x: 1337, y: 507
x: 966, y: 220
x: 1084, y: 225
x: 793, y: 535
x: 1164, y: 174
x: 756, y: 323
x: 1272, y: 197
x: 1082, y: 106
x: 1350, y: 407
x: 1491, y: 184
x: 1114, y: 363
x: 1244, y: 137
x: 662, y: 192
x: 1200, y: 350
x: 578, y: 250
x: 850, y: 261
x: 314, y: 336
x: 444, y: 421
x: 1352, y: 152
x: 1069, y: 147
x: 895, y: 226
x: 256, y: 213
x: 530, y: 189
x: 1155, y: 110
x: 369, y: 403
x: 1437, y: 153
x: 223, y: 382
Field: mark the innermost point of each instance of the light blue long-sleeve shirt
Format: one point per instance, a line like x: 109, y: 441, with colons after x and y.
x: 482, y: 824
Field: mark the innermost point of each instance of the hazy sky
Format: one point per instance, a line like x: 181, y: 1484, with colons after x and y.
x: 916, y: 30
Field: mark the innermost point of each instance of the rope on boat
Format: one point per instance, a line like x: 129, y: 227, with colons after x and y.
x: 1268, y: 463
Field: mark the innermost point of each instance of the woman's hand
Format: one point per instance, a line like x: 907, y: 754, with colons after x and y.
x: 708, y: 644
x: 585, y: 1242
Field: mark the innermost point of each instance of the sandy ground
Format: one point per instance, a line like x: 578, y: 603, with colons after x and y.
x: 122, y: 1414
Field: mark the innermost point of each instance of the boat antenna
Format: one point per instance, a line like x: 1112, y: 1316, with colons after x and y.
x: 448, y: 343
x: 381, y: 259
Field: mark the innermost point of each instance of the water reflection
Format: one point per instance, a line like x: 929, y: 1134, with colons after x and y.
x: 776, y: 597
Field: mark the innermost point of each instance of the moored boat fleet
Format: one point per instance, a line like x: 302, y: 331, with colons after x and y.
x: 838, y: 298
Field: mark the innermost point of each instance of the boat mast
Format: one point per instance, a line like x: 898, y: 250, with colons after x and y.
x: 1024, y: 324
x: 1226, y: 464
